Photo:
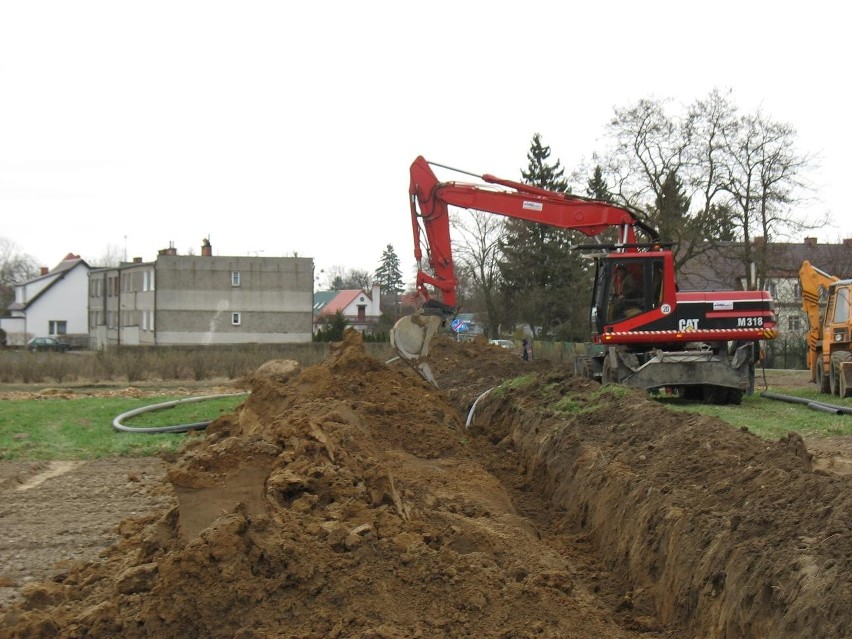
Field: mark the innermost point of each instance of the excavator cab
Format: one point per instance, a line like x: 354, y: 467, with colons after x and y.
x: 626, y: 285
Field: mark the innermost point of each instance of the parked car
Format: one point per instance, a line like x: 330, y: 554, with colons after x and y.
x: 39, y: 344
x: 505, y: 343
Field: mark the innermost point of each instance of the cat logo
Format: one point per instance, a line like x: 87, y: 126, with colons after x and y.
x: 687, y: 325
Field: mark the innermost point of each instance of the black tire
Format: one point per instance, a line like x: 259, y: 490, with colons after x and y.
x: 821, y: 378
x: 693, y: 393
x: 735, y: 396
x: 714, y: 394
x: 835, y: 382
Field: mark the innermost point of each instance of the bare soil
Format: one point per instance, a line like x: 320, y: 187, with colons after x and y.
x: 353, y: 499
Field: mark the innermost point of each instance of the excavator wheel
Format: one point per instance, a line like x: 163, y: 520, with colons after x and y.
x: 735, y: 396
x: 822, y: 380
x: 841, y: 369
x: 714, y: 394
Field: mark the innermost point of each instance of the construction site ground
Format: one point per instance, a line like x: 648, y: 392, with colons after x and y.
x: 353, y: 499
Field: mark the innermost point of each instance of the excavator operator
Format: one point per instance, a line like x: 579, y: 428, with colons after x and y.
x: 627, y: 294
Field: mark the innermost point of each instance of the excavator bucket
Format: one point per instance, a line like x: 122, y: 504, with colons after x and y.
x: 411, y: 336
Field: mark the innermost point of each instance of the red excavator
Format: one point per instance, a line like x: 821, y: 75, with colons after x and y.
x: 649, y: 334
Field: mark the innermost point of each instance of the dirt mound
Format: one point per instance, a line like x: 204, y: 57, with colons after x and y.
x: 349, y: 499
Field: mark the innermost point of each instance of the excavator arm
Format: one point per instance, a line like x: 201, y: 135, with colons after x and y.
x: 813, y: 280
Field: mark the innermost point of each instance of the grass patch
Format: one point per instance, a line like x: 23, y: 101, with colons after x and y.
x: 590, y: 402
x: 772, y: 419
x: 81, y: 428
x: 522, y: 381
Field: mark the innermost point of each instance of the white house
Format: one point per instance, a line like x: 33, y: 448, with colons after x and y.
x: 54, y: 303
x: 360, y: 308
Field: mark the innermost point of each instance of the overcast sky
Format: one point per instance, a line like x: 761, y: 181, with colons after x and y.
x: 276, y: 128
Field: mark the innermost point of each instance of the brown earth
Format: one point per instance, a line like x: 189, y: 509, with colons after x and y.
x: 353, y: 499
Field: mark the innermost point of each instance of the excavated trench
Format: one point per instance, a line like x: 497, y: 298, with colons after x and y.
x: 350, y: 499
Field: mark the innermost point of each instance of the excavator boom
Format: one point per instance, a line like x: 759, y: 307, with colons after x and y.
x: 430, y: 199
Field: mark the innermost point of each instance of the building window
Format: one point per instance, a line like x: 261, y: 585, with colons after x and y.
x: 771, y: 289
x: 236, y: 320
x: 235, y: 278
x: 794, y: 323
x: 57, y: 327
x: 147, y: 280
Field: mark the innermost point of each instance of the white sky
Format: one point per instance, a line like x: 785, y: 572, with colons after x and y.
x: 282, y: 127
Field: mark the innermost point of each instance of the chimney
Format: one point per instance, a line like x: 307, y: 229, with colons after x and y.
x: 759, y: 241
x: 206, y: 248
x: 44, y: 270
x: 847, y: 241
x: 169, y: 251
x: 811, y: 242
x: 137, y: 260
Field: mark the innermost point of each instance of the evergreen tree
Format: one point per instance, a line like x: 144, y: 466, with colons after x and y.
x: 388, y: 275
x: 333, y: 328
x: 597, y: 188
x: 545, y: 283
x: 671, y: 209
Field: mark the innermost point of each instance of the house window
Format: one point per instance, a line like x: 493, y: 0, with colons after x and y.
x: 794, y: 323
x: 362, y: 312
x: 770, y: 288
x: 147, y: 280
x: 236, y: 320
x: 147, y: 320
x: 57, y: 327
x: 235, y: 278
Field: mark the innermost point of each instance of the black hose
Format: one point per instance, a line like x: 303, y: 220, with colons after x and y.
x: 177, y: 428
x: 822, y: 407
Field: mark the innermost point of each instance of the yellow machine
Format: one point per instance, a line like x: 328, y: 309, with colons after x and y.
x: 826, y: 301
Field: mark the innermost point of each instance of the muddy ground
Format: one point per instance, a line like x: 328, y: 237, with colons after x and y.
x: 352, y: 499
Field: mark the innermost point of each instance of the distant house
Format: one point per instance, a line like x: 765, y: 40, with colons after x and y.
x: 206, y: 299
x: 360, y: 308
x: 54, y: 303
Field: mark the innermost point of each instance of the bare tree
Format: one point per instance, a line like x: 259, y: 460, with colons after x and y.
x: 477, y: 251
x: 342, y: 278
x: 15, y: 267
x: 651, y: 166
x: 113, y: 255
x: 709, y: 176
x: 763, y: 176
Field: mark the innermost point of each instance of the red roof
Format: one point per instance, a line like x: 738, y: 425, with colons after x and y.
x: 341, y: 301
